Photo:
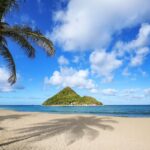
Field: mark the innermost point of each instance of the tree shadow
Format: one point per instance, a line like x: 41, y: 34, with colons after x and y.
x: 16, y: 116
x: 75, y: 127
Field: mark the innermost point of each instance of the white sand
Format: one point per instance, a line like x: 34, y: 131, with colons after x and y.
x: 42, y: 131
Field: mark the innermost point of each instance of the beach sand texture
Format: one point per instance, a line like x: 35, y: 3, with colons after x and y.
x: 43, y: 131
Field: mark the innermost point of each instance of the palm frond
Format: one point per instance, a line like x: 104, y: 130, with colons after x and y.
x: 37, y: 37
x: 3, y: 24
x: 4, y: 52
x: 20, y: 34
x: 20, y: 39
x: 7, y: 5
x: 3, y: 41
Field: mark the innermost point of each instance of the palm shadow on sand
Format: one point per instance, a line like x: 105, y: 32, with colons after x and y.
x: 75, y: 127
x: 6, y: 117
x: 16, y: 116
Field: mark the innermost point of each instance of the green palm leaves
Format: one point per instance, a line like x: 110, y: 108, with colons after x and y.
x: 22, y: 35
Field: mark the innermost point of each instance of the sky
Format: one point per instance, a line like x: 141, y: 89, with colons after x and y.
x: 102, y: 50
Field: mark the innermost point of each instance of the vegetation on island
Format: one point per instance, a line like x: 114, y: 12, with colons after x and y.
x: 22, y: 35
x: 69, y: 97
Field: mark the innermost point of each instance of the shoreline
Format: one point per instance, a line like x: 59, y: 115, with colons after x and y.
x: 72, y: 113
x: 62, y: 113
x: 71, y: 105
x: 36, y: 130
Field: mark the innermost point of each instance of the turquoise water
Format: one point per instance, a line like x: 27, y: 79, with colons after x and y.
x: 108, y: 110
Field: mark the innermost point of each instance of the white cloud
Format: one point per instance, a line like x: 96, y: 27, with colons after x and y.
x: 63, y: 61
x: 109, y: 92
x: 143, y: 73
x: 139, y: 57
x: 86, y: 25
x: 138, y: 48
x: 4, y: 85
x: 71, y: 77
x: 129, y: 92
x: 147, y: 92
x: 126, y: 72
x: 90, y: 24
x: 104, y: 64
x: 94, y: 90
x: 137, y: 94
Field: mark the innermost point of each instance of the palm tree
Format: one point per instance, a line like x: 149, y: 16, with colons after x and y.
x: 22, y: 35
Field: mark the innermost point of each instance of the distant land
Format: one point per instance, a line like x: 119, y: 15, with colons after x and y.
x: 67, y: 96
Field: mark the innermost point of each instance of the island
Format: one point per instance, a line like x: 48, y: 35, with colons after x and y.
x: 68, y: 97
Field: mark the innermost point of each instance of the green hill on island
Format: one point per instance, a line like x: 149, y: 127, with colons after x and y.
x: 69, y: 97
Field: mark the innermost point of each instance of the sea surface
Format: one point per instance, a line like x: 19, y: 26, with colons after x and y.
x: 107, y: 110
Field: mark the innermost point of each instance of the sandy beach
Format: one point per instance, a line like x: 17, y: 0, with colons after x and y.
x: 43, y: 131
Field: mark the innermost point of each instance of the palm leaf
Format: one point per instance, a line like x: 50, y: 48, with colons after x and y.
x: 37, y: 37
x: 4, y: 52
x: 20, y: 34
x: 7, y: 5
x: 20, y: 39
x: 3, y: 41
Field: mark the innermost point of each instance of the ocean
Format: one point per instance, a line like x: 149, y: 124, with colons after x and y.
x: 106, y: 110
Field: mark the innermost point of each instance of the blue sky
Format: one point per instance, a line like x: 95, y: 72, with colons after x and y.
x: 102, y: 50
